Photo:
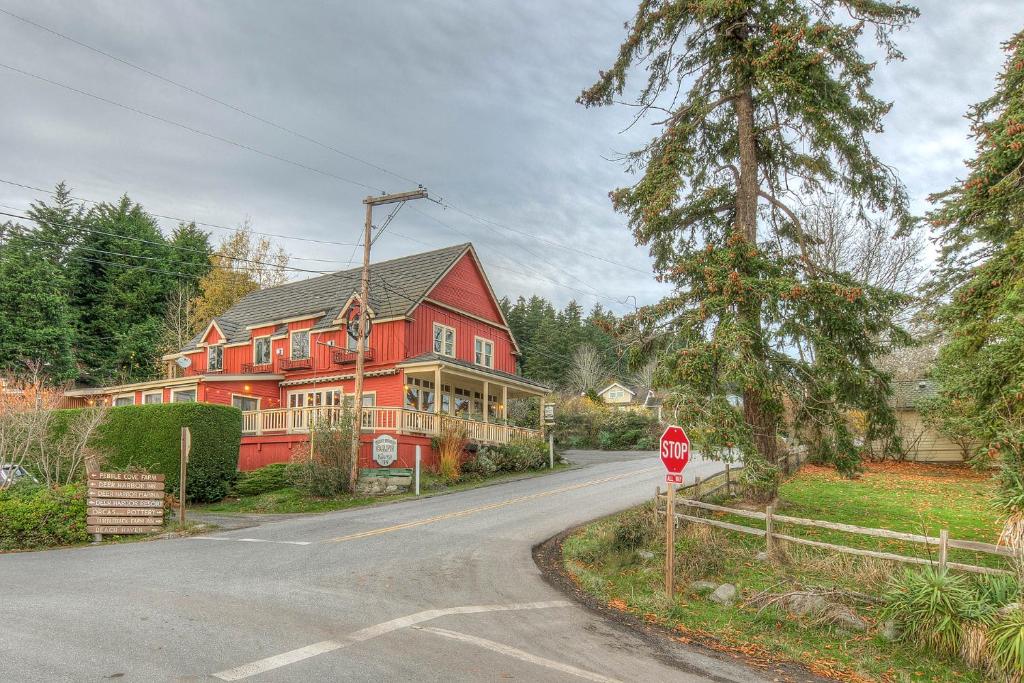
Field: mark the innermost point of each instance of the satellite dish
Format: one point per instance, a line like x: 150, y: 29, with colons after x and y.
x: 184, y: 362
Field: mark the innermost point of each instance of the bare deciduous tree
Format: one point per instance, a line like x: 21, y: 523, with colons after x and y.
x: 644, y: 377
x: 842, y: 238
x: 586, y: 371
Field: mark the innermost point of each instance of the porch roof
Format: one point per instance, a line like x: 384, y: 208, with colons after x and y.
x: 522, y: 383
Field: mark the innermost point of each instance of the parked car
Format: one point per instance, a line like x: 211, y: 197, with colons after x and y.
x: 10, y: 474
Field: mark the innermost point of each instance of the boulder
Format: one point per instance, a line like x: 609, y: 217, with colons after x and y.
x: 845, y: 618
x: 806, y: 604
x: 646, y: 554
x: 703, y: 587
x: 888, y: 631
x: 725, y: 594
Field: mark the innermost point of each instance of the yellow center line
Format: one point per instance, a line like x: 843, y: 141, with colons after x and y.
x: 483, y: 508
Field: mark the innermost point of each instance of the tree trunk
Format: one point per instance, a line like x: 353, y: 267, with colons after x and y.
x: 756, y: 413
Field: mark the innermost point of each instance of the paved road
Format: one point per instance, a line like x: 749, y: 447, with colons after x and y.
x: 437, y: 589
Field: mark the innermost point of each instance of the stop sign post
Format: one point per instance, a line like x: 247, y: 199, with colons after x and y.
x: 675, y: 453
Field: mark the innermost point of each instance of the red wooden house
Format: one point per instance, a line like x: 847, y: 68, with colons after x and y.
x: 439, y: 346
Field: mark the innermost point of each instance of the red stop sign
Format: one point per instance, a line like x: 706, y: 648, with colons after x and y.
x: 675, y: 449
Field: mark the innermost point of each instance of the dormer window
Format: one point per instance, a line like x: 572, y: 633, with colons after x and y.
x: 444, y: 340
x: 215, y: 358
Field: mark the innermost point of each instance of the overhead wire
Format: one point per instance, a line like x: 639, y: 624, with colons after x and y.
x: 307, y: 138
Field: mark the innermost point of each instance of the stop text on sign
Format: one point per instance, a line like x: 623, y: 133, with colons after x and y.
x: 675, y: 450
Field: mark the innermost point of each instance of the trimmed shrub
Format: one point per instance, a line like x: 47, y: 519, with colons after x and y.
x: 33, y: 516
x: 264, y: 480
x: 148, y: 437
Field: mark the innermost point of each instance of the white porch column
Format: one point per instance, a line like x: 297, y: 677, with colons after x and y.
x: 504, y: 402
x: 437, y: 390
x: 487, y: 408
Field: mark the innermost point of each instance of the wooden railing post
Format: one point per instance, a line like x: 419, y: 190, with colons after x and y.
x: 943, y: 549
x: 728, y: 481
x: 769, y: 528
x: 696, y: 488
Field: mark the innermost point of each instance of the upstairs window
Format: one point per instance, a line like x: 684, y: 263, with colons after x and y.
x: 215, y: 358
x: 484, y: 352
x: 444, y: 340
x: 300, y: 345
x: 350, y: 342
x: 261, y: 351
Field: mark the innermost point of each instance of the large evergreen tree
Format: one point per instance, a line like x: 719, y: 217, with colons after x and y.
x: 760, y: 102
x: 122, y: 273
x: 980, y: 225
x: 35, y: 317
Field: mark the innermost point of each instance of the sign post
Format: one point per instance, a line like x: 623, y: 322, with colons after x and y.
x: 675, y: 453
x: 186, y: 448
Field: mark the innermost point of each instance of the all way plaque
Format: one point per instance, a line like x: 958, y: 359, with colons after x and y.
x: 125, y: 503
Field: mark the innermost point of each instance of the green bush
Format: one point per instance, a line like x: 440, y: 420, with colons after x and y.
x: 479, y: 465
x: 264, y: 480
x: 148, y: 437
x: 582, y: 423
x: 518, y: 455
x: 317, y: 479
x: 634, y: 529
x: 1006, y: 644
x: 933, y: 607
x: 33, y: 516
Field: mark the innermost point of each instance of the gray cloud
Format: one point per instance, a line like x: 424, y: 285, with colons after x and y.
x: 475, y: 100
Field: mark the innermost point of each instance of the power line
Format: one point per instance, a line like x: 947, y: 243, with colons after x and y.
x: 303, y: 136
x: 187, y: 220
x: 197, y: 131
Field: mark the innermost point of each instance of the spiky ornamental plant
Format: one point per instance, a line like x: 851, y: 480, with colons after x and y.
x: 980, y: 227
x: 762, y: 102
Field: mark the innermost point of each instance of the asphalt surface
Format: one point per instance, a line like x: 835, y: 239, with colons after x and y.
x: 436, y: 589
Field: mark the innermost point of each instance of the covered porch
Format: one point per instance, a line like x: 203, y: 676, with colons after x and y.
x: 432, y: 391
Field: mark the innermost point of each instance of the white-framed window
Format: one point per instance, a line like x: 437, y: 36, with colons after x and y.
x: 215, y: 358
x: 616, y: 394
x: 419, y: 394
x: 153, y: 397
x: 245, y: 403
x: 124, y: 400
x: 261, y: 351
x: 444, y: 340
x: 300, y: 345
x: 484, y: 352
x: 350, y: 341
x: 183, y: 396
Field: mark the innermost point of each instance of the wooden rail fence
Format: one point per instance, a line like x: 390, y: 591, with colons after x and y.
x: 943, y: 542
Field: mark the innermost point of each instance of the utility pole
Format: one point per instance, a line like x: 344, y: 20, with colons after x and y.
x: 364, y: 299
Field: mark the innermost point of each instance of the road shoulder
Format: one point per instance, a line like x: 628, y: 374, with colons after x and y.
x: 667, y: 645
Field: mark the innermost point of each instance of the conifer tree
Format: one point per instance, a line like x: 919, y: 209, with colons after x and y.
x: 980, y: 226
x: 759, y: 103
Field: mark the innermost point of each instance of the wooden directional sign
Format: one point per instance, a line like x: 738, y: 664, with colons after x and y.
x: 125, y: 503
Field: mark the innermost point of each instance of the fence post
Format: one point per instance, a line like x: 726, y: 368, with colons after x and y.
x: 943, y: 549
x: 696, y: 488
x: 769, y: 528
x: 670, y: 543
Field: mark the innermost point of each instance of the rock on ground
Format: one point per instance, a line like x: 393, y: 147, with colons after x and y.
x: 725, y: 594
x: 703, y: 586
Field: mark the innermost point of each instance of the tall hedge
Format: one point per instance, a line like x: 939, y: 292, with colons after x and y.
x: 149, y: 437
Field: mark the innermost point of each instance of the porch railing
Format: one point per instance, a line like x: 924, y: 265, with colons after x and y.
x: 376, y: 419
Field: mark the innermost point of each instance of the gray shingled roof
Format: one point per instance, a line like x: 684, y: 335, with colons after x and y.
x: 910, y: 393
x: 448, y: 360
x: 396, y: 286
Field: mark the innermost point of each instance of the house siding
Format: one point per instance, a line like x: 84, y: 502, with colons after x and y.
x: 465, y: 288
x: 421, y: 336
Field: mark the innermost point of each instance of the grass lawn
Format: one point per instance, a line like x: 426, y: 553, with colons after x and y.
x: 905, y: 497
x: 292, y: 500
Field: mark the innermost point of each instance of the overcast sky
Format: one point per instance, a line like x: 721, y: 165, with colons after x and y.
x: 474, y: 99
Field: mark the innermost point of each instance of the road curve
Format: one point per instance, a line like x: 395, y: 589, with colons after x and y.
x: 436, y: 589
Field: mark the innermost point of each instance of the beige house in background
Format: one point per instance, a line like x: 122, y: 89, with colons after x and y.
x: 922, y: 443
x: 627, y: 397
